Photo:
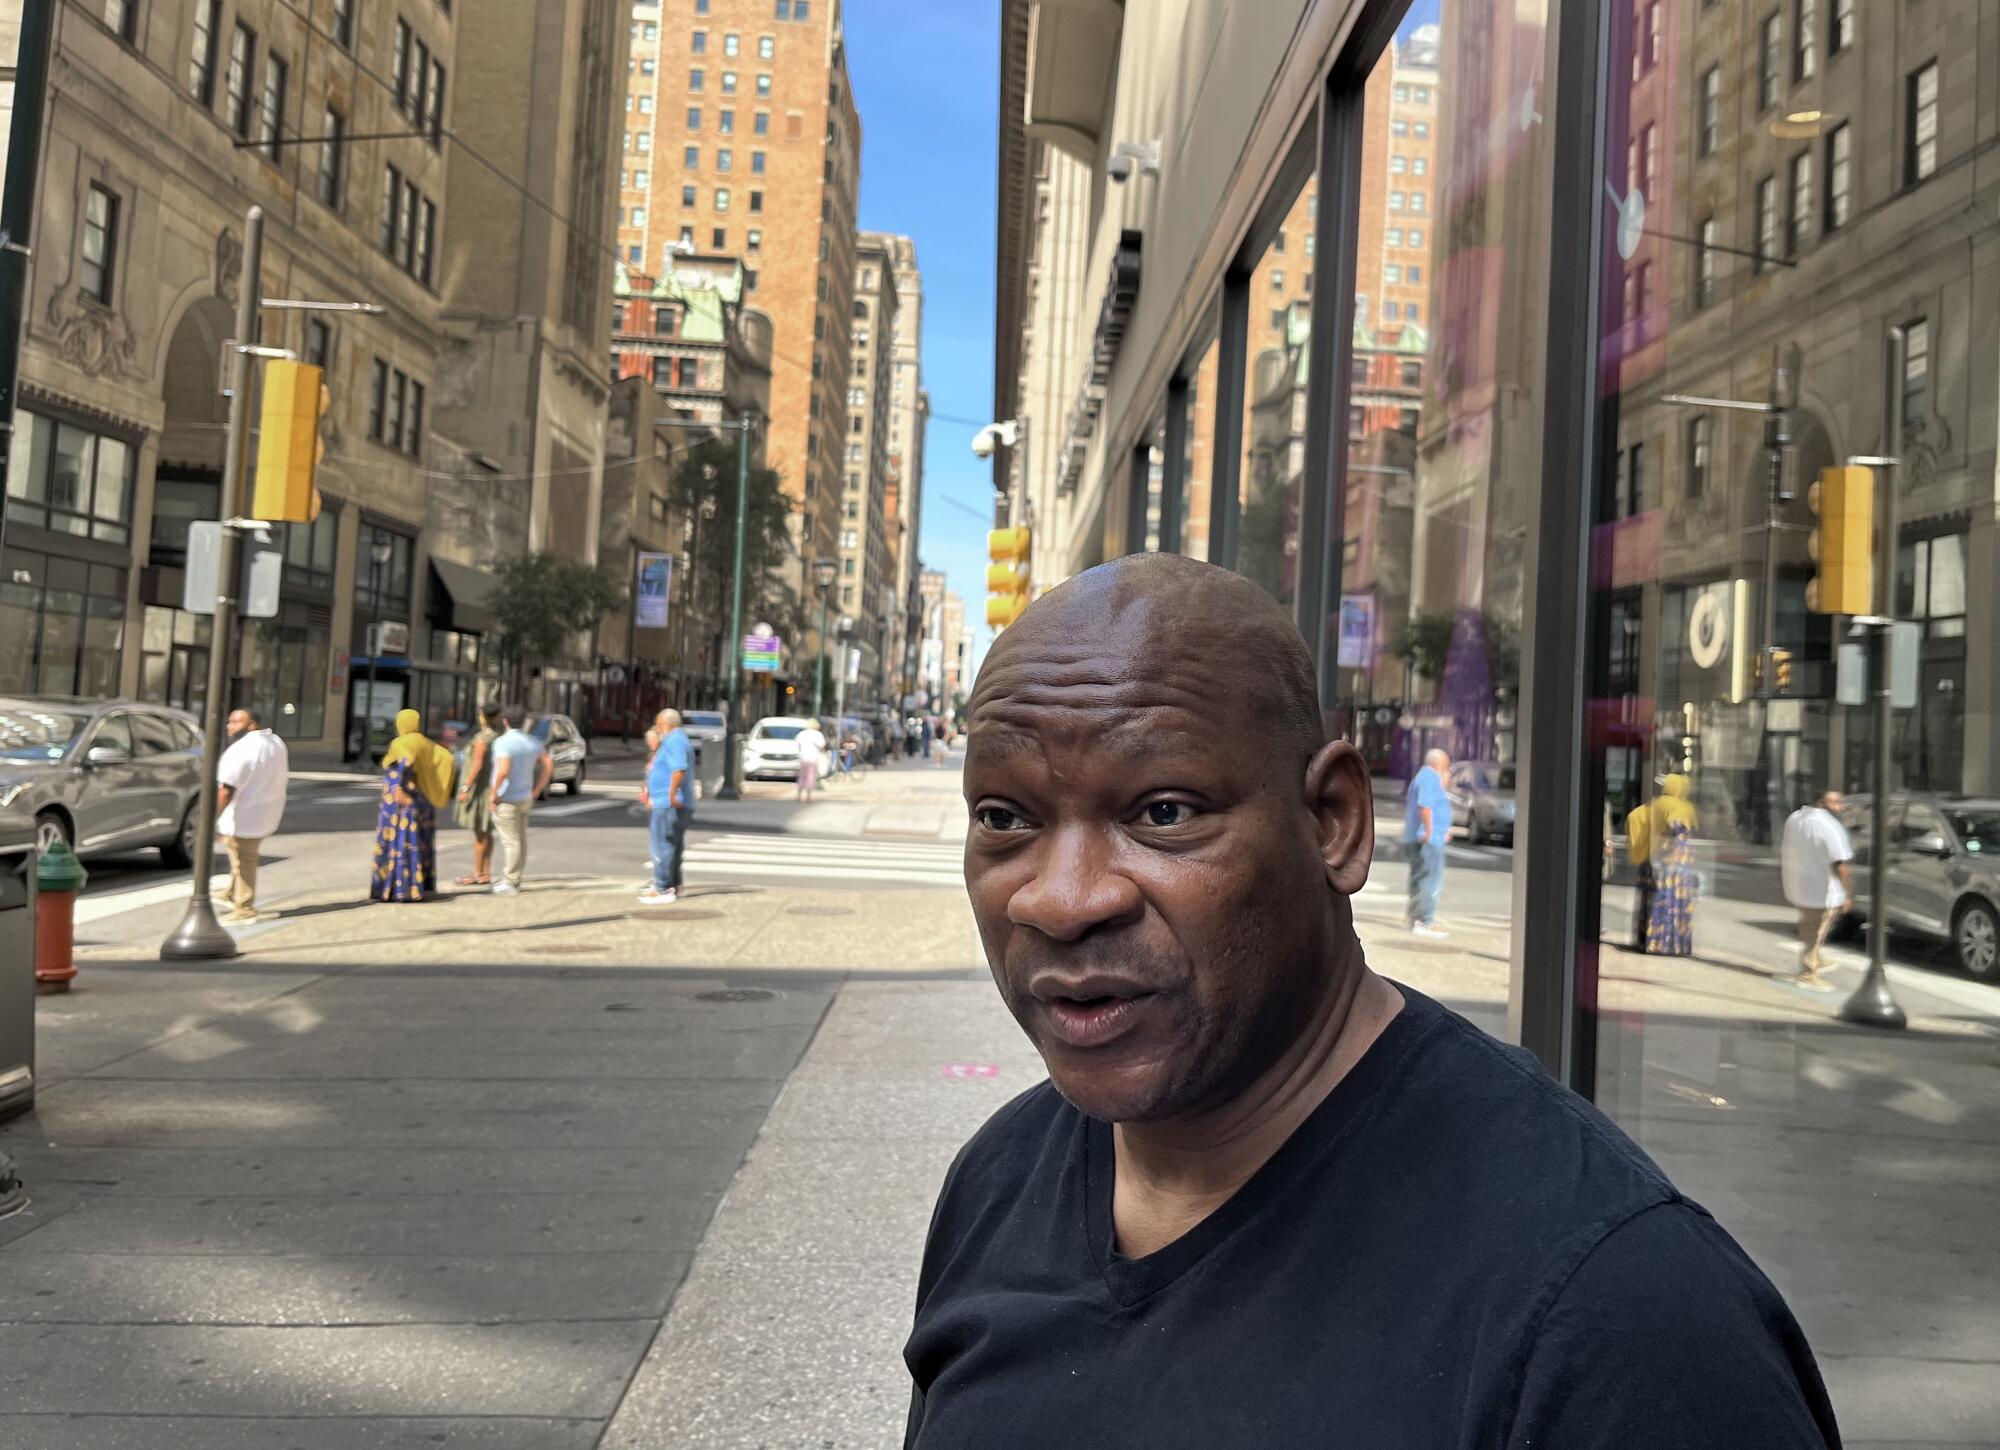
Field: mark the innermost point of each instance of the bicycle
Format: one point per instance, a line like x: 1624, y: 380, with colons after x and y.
x: 852, y: 765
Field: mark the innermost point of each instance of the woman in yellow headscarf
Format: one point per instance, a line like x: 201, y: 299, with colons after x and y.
x: 416, y: 780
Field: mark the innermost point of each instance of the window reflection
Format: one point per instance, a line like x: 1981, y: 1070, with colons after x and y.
x: 1274, y: 407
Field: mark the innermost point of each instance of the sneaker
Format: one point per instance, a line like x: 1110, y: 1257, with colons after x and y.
x: 502, y: 888
x: 650, y: 897
x: 1430, y: 930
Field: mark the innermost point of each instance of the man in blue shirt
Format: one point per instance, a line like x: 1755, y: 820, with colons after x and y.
x: 521, y: 771
x: 1426, y: 825
x: 669, y: 790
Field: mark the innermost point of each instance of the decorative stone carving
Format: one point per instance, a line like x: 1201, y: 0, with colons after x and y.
x: 90, y: 336
x: 228, y: 264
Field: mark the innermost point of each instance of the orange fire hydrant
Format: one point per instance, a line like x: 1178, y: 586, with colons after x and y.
x: 59, y: 876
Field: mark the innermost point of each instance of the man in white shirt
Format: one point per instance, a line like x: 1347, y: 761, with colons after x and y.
x: 250, y: 801
x: 812, y: 755
x: 1818, y: 879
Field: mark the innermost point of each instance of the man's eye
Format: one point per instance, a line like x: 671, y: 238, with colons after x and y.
x: 1169, y: 813
x: 998, y: 818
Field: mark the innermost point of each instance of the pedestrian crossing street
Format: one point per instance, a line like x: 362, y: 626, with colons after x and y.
x: 812, y: 859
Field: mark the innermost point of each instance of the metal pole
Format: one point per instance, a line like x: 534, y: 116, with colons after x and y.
x: 840, y: 686
x: 1873, y: 1004
x: 374, y: 653
x: 199, y: 934
x: 819, y: 660
x: 17, y: 206
x: 732, y: 646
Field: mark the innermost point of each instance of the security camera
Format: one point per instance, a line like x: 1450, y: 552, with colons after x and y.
x: 1128, y: 158
x: 985, y: 441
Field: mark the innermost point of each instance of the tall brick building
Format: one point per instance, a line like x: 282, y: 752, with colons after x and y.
x: 742, y: 140
x: 867, y: 581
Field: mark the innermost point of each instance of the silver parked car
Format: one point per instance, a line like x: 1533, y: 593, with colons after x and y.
x: 1482, y: 800
x: 1944, y: 872
x: 102, y: 775
x: 567, y: 750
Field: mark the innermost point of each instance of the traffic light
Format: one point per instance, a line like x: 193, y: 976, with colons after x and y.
x: 289, y: 445
x: 1842, y: 542
x: 1007, y: 577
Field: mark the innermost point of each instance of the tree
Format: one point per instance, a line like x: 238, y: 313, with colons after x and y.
x: 708, y: 474
x: 541, y: 599
x: 1423, y: 644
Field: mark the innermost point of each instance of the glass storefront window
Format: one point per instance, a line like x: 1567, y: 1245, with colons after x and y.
x: 1440, y: 441
x: 1272, y: 478
x: 69, y: 480
x: 62, y: 625
x: 1198, y: 462
x: 1852, y: 1163
x: 173, y: 658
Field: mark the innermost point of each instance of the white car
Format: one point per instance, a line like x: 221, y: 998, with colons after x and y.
x: 771, y: 749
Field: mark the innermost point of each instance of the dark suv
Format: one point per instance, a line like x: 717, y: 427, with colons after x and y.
x: 102, y: 775
x: 1943, y: 871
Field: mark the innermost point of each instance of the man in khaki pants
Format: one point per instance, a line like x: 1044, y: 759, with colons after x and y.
x: 521, y: 772
x: 1815, y: 860
x: 250, y: 801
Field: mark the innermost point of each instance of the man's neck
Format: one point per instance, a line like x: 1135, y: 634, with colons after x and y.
x: 1172, y: 1175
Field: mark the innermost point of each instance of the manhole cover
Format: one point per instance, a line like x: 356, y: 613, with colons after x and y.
x: 819, y: 911
x: 673, y: 913
x: 735, y: 994
x: 563, y: 951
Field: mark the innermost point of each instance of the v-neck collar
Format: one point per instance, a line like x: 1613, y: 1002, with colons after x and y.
x: 1354, y: 1099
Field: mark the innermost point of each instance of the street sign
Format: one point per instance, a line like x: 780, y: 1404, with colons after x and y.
x: 1906, y: 640
x: 263, y: 567
x: 761, y: 652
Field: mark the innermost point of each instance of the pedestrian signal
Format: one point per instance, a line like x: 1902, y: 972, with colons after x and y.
x: 1842, y: 541
x: 1009, y: 577
x: 289, y: 446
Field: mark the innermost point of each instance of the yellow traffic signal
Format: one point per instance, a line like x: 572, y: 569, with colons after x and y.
x: 1009, y: 577
x: 289, y: 446
x: 1842, y: 542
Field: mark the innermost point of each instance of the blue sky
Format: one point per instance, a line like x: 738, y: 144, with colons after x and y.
x: 926, y: 79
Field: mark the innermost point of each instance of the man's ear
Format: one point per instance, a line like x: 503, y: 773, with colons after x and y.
x: 1342, y: 801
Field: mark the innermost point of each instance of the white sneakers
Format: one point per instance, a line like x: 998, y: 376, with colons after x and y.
x: 652, y: 897
x: 502, y: 888
x: 1430, y: 930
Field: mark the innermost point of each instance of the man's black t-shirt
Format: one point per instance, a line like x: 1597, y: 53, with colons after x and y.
x: 1451, y: 1251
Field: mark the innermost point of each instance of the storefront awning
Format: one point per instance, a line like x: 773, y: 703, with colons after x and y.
x: 466, y: 596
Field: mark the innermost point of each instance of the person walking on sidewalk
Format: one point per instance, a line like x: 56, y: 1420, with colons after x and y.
x: 521, y: 772
x: 416, y: 781
x: 1426, y: 828
x: 1268, y: 1197
x: 812, y: 755
x: 475, y: 802
x: 1649, y: 842
x: 250, y: 799
x: 1816, y: 861
x: 668, y: 792
x: 1676, y: 884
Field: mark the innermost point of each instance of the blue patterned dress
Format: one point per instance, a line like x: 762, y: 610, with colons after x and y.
x: 1670, y: 928
x: 405, y: 840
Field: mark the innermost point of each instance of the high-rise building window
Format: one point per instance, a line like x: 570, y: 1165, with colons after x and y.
x: 201, y: 59
x: 1653, y: 42
x: 698, y: 42
x: 1805, y: 40
x: 694, y: 118
x: 762, y: 124
x: 645, y: 139
x: 767, y: 47
x: 343, y: 21
x: 691, y: 157
x: 1916, y: 371
x: 753, y: 241
x: 1698, y: 444
x: 732, y: 44
x: 1770, y: 39
x: 764, y: 86
x: 332, y: 158
x: 399, y: 63
x: 757, y: 163
x: 729, y: 83
x: 641, y: 179
x: 1704, y: 261
x: 434, y: 103
x: 121, y: 18
x: 1649, y: 167
x: 271, y: 120
x: 757, y: 201
x: 722, y: 198
x: 100, y: 242
x: 646, y: 66
x: 1765, y: 222
x: 1843, y: 27
x: 688, y: 196
x: 236, y: 89
x: 1799, y: 224
x: 1838, y: 200
x: 319, y: 342
x: 1920, y: 122
x: 725, y: 159
x: 697, y: 78
x: 392, y: 191
x: 725, y: 122
x: 1711, y: 110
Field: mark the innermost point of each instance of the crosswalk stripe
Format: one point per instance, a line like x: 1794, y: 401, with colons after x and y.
x: 824, y: 859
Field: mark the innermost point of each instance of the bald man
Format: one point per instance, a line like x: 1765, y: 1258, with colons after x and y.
x: 1269, y: 1198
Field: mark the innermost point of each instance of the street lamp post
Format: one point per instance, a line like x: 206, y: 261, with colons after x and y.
x: 380, y: 552
x: 824, y: 570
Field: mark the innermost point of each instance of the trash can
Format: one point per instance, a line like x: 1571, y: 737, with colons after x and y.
x: 17, y: 965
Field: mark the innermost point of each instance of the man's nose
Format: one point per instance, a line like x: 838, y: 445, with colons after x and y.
x: 1076, y: 888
